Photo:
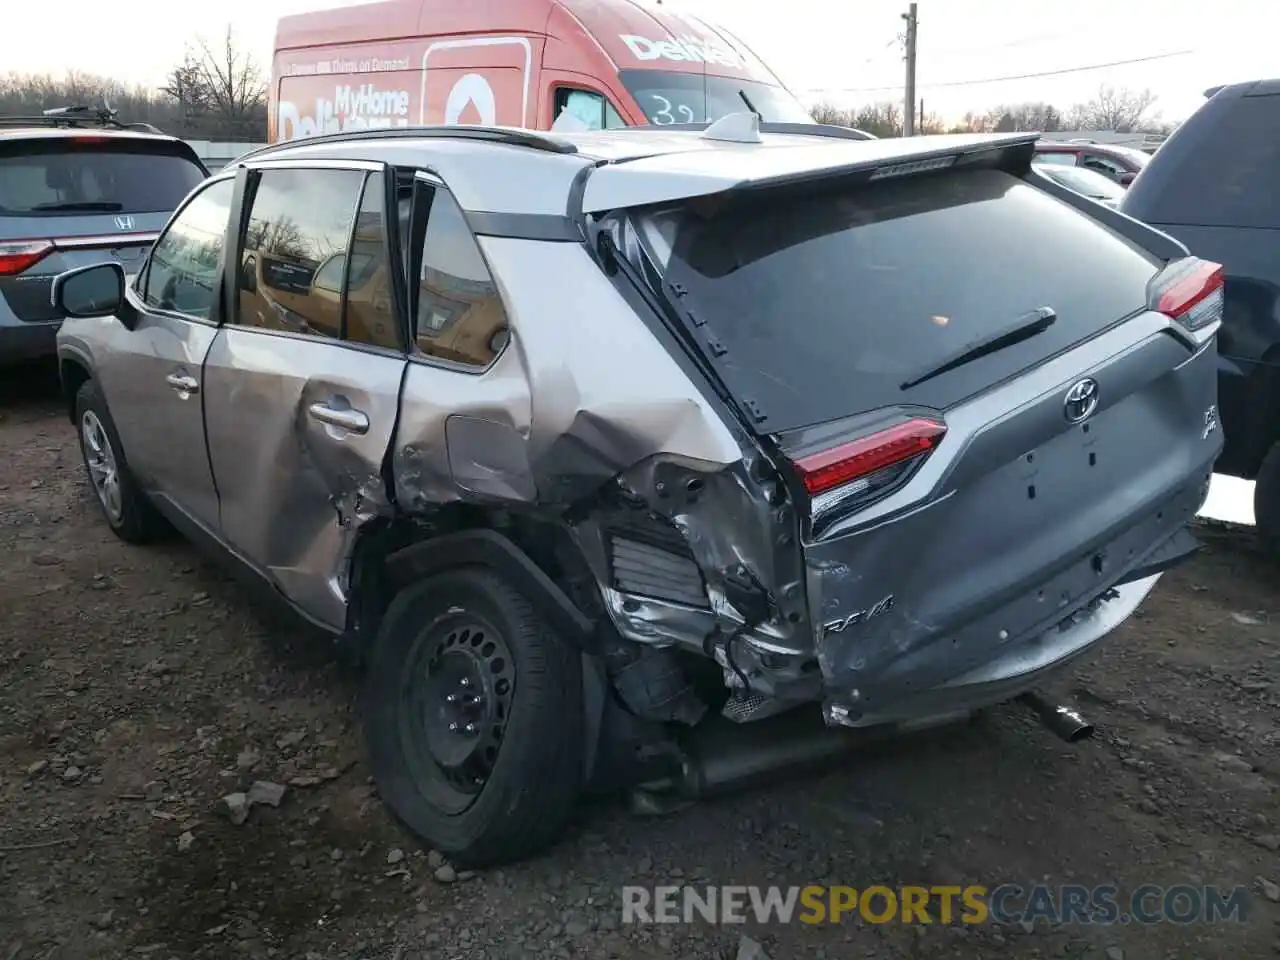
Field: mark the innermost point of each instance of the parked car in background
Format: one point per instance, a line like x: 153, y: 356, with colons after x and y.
x: 1213, y: 185
x: 521, y: 63
x: 76, y: 186
x: 1121, y: 164
x: 589, y: 454
x: 1086, y: 182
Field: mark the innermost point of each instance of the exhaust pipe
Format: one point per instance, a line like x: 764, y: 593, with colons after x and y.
x: 722, y: 757
x: 1063, y: 721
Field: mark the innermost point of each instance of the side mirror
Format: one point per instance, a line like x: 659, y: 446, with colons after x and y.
x: 93, y: 291
x: 1127, y: 178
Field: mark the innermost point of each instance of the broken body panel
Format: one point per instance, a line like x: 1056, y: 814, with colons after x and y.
x: 1021, y: 539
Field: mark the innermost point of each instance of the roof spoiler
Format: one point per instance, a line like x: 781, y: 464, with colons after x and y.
x: 1214, y: 90
x: 768, y: 126
x: 625, y: 185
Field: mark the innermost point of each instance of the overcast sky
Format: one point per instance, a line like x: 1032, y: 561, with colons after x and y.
x: 843, y: 50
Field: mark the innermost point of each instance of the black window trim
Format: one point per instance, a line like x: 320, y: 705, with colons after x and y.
x: 417, y: 238
x: 136, y: 297
x: 252, y: 172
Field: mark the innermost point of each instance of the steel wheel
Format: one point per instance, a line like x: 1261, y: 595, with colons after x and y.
x: 100, y: 458
x: 454, y: 717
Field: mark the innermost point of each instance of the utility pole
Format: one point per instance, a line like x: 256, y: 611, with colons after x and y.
x: 909, y: 113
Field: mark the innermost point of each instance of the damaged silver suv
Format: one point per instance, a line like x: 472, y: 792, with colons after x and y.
x: 655, y: 457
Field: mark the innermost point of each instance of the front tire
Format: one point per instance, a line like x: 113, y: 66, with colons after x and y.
x: 473, y: 717
x: 126, y: 508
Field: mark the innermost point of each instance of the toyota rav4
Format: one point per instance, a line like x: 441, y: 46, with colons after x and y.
x: 586, y: 442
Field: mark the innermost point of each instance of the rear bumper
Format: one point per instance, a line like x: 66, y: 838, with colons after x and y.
x: 1018, y: 664
x: 1017, y: 670
x: 20, y: 342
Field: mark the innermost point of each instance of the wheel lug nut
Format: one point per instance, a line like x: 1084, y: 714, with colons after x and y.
x: 453, y: 728
x: 464, y: 682
x: 470, y: 728
x: 451, y: 698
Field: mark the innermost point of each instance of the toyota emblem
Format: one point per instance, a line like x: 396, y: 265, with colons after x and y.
x: 1081, y: 400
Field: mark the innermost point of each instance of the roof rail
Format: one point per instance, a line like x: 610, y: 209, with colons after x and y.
x: 512, y: 136
x: 769, y: 126
x: 78, y: 116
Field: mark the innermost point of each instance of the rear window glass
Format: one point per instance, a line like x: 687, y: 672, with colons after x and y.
x: 828, y: 301
x: 86, y: 180
x: 1225, y: 177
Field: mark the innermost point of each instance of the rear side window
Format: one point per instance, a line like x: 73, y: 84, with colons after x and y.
x: 459, y: 315
x: 93, y: 179
x: 1226, y: 177
x: 1057, y: 158
x: 1107, y: 166
x: 827, y: 302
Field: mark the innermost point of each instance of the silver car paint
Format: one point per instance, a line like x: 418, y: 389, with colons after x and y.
x: 293, y: 488
x: 584, y: 395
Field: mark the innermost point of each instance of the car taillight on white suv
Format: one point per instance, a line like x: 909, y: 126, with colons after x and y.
x: 857, y: 471
x: 1189, y: 290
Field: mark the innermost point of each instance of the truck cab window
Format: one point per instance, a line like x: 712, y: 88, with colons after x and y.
x: 593, y: 109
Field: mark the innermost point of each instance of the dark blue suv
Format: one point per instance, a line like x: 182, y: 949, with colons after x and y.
x: 77, y: 187
x: 1215, y: 185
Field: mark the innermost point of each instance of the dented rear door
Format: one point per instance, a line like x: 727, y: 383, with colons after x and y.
x: 303, y: 385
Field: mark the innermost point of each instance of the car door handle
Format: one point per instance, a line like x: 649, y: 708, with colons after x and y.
x: 183, y: 383
x: 353, y: 421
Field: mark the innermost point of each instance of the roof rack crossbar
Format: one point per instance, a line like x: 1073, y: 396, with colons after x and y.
x: 773, y: 126
x: 512, y: 136
x: 69, y: 118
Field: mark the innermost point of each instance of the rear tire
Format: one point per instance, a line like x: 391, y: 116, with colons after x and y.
x: 126, y: 508
x: 505, y: 791
x: 1266, y: 503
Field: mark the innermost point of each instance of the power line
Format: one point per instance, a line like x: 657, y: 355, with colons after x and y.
x: 1020, y: 76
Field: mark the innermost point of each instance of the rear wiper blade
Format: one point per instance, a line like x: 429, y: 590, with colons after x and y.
x: 1025, y: 327
x: 106, y: 206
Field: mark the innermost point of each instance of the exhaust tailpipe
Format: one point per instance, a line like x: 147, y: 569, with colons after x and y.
x: 1063, y: 721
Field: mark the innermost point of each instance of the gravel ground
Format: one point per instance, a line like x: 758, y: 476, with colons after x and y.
x: 138, y: 689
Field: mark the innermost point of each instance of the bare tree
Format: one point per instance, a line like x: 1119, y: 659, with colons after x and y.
x: 880, y: 119
x: 219, y: 89
x: 824, y: 112
x: 1122, y: 110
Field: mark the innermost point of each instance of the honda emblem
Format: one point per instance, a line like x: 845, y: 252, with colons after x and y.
x: 125, y: 222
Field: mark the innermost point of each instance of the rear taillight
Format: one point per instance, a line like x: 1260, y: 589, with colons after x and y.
x: 17, y: 257
x: 863, y: 464
x: 1190, y: 290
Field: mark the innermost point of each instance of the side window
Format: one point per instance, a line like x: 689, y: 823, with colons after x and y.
x: 182, y: 273
x: 590, y: 107
x: 293, y: 249
x: 371, y: 313
x: 1105, y: 165
x: 459, y: 316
